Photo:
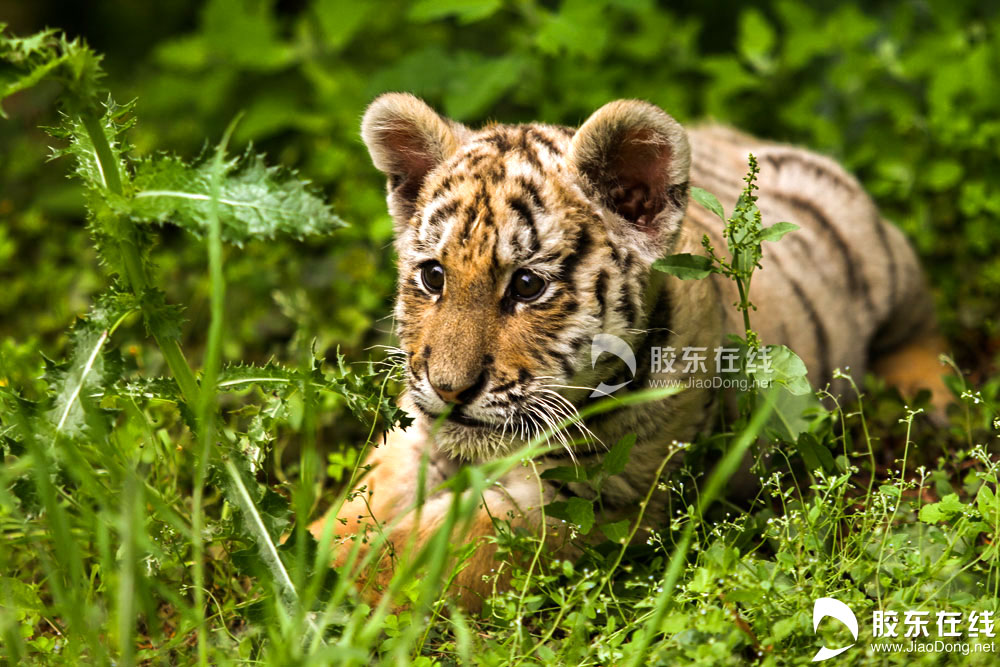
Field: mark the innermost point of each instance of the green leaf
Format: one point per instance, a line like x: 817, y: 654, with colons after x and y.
x: 756, y: 39
x: 784, y: 367
x: 255, y: 202
x: 48, y: 55
x: 577, y: 510
x: 815, y: 454
x: 889, y: 490
x: 988, y: 503
x: 270, y: 377
x: 581, y: 512
x: 616, y: 459
x: 91, y: 369
x: 265, y: 515
x: 948, y: 507
x: 579, y: 28
x: 685, y: 266
x: 340, y: 19
x: 616, y: 532
x: 708, y: 200
x: 245, y: 33
x: 479, y: 83
x: 114, y: 122
x: 160, y: 316
x: 943, y: 174
x: 777, y: 230
x: 159, y: 388
x: 467, y: 11
x: 565, y: 474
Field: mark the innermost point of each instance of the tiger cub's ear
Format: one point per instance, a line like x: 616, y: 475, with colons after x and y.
x: 407, y: 140
x: 636, y: 158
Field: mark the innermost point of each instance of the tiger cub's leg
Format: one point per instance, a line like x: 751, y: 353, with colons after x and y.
x: 382, y: 515
x: 916, y: 365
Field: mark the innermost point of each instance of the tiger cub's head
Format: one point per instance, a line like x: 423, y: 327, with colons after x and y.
x: 518, y: 244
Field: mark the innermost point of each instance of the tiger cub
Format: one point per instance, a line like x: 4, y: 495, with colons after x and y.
x: 519, y: 246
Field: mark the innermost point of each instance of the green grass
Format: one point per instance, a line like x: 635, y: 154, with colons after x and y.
x: 142, y: 515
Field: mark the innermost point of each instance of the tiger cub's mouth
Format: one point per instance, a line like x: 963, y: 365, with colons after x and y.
x: 494, y: 427
x: 457, y: 416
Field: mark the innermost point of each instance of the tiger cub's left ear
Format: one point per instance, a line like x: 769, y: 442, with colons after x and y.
x: 636, y: 158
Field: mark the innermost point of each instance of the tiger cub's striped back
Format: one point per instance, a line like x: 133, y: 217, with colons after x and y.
x: 843, y: 288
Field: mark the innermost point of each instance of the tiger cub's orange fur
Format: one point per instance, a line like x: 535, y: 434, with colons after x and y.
x: 519, y: 244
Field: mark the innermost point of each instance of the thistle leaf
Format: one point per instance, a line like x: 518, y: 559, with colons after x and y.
x: 269, y: 377
x: 156, y: 388
x: 115, y: 121
x: 90, y: 368
x: 255, y: 201
x: 48, y: 55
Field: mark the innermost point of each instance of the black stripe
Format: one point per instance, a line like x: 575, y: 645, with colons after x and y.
x: 520, y: 207
x: 678, y: 195
x: 444, y: 184
x: 600, y: 287
x: 708, y: 411
x: 569, y: 263
x: 414, y: 292
x: 625, y: 307
x: 627, y: 261
x: 495, y: 173
x: 819, y: 331
x: 557, y: 308
x: 470, y: 219
x: 500, y: 140
x: 540, y: 138
x: 568, y: 369
x: 820, y: 171
x: 441, y: 212
x: 616, y: 255
x: 658, y: 334
x: 855, y: 282
x: 528, y: 152
x: 472, y: 160
x: 480, y: 203
x: 661, y: 314
x: 879, y: 225
x: 531, y: 190
x: 500, y: 388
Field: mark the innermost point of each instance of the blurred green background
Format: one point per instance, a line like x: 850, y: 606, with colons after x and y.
x: 904, y: 93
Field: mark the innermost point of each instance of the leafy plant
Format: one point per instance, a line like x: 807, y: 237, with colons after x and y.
x: 88, y: 404
x: 760, y: 365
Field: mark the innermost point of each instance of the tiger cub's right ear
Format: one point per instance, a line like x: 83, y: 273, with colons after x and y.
x: 407, y: 140
x: 636, y: 159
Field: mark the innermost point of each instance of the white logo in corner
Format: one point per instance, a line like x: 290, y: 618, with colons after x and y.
x: 612, y: 345
x: 833, y: 608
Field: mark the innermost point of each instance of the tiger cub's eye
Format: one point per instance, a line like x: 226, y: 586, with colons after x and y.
x: 526, y: 286
x: 432, y: 276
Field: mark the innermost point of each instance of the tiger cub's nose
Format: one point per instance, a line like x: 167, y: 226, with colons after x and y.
x: 460, y: 394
